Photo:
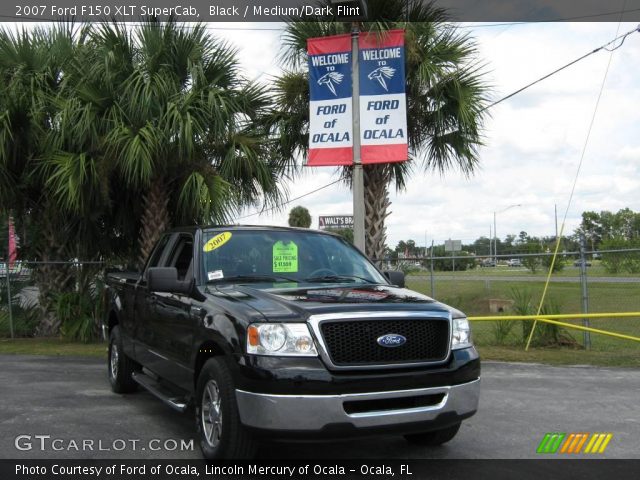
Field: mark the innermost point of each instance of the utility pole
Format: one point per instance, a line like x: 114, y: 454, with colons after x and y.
x: 433, y: 285
x: 585, y: 291
x: 358, y: 173
x: 495, y: 240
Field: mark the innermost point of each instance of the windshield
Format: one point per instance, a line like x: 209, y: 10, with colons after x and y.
x: 283, y: 257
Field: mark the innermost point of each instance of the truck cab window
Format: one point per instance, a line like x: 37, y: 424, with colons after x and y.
x: 182, y: 257
x: 156, y: 256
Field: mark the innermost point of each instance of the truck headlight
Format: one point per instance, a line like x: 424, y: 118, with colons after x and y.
x: 461, y: 336
x: 285, y: 339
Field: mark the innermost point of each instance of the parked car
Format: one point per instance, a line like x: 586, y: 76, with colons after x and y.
x: 286, y: 333
x: 514, y: 262
x: 488, y: 262
x: 578, y: 263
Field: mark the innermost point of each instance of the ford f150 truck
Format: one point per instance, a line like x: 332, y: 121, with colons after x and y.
x: 273, y: 332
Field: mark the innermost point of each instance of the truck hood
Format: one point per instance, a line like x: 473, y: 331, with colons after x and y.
x: 295, y: 304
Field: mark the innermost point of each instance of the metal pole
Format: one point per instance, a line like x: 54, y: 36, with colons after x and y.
x: 433, y: 285
x: 490, y: 240
x: 495, y: 239
x: 555, y: 210
x: 358, y: 174
x: 585, y: 292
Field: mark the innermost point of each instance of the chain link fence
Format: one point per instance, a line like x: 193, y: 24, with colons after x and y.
x: 44, y: 298
x: 595, y: 282
x: 65, y: 296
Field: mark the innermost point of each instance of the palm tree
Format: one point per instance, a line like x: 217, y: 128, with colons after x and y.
x: 446, y: 98
x: 31, y: 66
x: 108, y: 134
x: 158, y: 125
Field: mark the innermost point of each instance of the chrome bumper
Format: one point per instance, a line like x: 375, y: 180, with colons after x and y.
x: 313, y: 412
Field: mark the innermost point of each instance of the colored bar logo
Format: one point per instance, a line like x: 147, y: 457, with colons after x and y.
x: 556, y: 442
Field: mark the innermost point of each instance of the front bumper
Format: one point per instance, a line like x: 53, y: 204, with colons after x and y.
x: 437, y: 407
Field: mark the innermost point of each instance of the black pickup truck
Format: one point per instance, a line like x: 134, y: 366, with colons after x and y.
x: 283, y: 333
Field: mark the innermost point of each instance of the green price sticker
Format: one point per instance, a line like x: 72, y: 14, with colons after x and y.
x: 285, y: 257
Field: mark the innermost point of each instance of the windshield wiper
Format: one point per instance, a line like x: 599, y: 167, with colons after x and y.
x: 254, y: 278
x: 337, y: 279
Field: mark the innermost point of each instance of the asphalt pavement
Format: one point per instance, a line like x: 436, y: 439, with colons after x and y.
x: 62, y: 407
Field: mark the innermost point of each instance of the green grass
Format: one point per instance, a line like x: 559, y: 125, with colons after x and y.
x: 597, y: 270
x: 472, y: 297
x: 51, y: 346
x: 561, y: 356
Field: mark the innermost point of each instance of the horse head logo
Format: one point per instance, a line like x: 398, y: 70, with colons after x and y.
x: 380, y: 74
x: 331, y: 79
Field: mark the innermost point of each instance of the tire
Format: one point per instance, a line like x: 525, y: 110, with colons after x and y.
x: 220, y: 432
x: 120, y: 366
x: 433, y: 438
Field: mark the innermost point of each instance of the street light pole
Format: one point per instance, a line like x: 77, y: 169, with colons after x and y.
x: 495, y: 231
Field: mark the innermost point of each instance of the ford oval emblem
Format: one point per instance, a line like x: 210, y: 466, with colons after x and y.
x: 391, y: 340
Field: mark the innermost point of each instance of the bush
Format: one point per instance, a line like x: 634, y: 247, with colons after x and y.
x: 558, y: 265
x: 620, y: 262
x: 546, y: 334
x: 26, y: 316
x: 25, y: 320
x: 79, y: 312
x: 446, y: 264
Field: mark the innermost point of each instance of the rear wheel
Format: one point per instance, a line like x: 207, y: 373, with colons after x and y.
x: 222, y: 435
x: 434, y: 438
x: 119, y: 365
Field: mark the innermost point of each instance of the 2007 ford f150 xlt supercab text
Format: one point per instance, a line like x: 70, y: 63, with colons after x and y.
x: 273, y: 332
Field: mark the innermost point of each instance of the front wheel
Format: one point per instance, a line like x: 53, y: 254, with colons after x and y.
x: 222, y: 435
x: 120, y: 366
x: 434, y: 438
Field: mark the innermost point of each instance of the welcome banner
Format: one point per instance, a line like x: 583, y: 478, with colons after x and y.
x: 383, y: 103
x: 330, y: 105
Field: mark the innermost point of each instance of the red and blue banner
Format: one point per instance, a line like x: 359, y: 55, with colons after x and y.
x: 330, y: 101
x: 383, y: 103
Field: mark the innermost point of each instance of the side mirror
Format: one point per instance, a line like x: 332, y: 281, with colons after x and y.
x: 165, y: 279
x: 395, y: 278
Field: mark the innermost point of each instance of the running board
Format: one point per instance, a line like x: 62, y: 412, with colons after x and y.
x: 163, y: 393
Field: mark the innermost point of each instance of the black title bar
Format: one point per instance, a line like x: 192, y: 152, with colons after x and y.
x: 308, y: 10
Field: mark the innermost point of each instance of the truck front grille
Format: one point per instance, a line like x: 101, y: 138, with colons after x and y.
x: 354, y: 342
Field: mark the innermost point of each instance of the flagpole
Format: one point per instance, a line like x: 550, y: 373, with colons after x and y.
x: 358, y: 173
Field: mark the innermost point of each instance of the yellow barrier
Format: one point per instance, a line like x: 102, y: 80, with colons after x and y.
x: 551, y: 319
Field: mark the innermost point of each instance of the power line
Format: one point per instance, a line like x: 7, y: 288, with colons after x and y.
x: 575, y: 179
x: 552, y: 20
x: 603, y: 47
x: 291, y: 200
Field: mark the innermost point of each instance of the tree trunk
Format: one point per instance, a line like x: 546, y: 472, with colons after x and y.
x: 51, y: 278
x: 376, y: 204
x: 155, y: 217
